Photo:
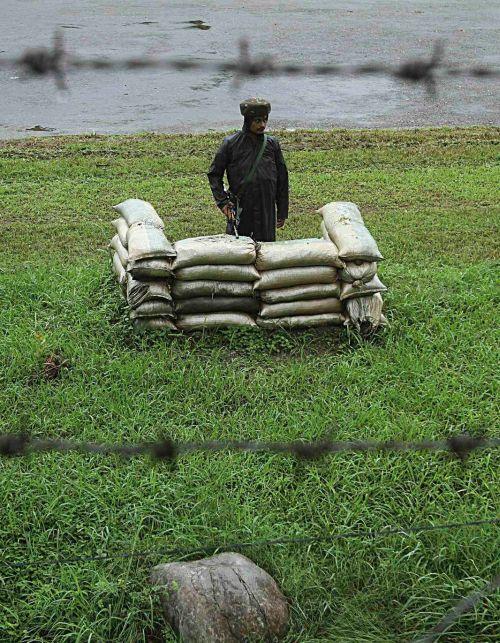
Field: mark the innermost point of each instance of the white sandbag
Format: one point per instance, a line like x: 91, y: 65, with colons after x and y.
x: 120, y: 249
x: 272, y: 255
x: 119, y: 270
x: 121, y: 227
x: 141, y: 291
x: 299, y: 293
x: 285, y: 277
x: 214, y: 320
x: 365, y: 312
x: 217, y: 273
x: 146, y: 241
x: 324, y: 232
x: 359, y: 289
x: 298, y: 308
x: 347, y: 230
x: 216, y: 305
x: 156, y: 308
x: 358, y: 271
x: 301, y: 321
x: 189, y: 289
x: 153, y: 323
x: 136, y: 210
x: 147, y: 269
x: 219, y: 249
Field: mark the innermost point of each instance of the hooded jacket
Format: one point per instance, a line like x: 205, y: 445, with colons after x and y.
x: 265, y: 198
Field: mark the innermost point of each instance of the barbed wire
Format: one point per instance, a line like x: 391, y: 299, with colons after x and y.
x: 464, y: 605
x: 12, y: 445
x: 185, y: 552
x: 55, y: 61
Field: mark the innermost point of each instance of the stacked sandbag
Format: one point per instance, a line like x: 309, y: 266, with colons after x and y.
x: 343, y: 224
x: 142, y: 259
x: 213, y: 282
x: 298, y: 284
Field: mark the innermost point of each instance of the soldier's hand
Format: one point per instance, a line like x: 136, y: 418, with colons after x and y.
x: 280, y: 223
x: 228, y: 211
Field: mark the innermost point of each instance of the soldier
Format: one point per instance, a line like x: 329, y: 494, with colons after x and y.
x: 257, y: 199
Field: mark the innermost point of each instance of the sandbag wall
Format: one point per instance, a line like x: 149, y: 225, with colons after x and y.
x: 221, y: 281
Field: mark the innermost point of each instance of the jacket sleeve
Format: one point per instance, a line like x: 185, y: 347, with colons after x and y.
x: 282, y: 185
x: 216, y: 175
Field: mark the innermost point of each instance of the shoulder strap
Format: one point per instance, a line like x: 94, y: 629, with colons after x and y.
x: 251, y: 171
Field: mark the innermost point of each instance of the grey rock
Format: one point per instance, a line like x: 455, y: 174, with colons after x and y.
x: 222, y: 599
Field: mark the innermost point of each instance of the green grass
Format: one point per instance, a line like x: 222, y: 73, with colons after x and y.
x: 429, y: 198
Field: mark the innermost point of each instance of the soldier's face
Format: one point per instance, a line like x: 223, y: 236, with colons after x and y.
x: 258, y: 124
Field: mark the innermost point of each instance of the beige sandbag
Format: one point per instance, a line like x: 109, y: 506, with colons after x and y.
x: 301, y: 321
x: 216, y: 305
x: 147, y: 269
x: 120, y: 249
x: 298, y: 308
x: 136, y: 210
x: 347, y: 230
x: 141, y: 291
x: 119, y: 270
x: 358, y: 288
x: 285, y: 277
x: 299, y: 293
x: 358, y: 271
x: 153, y: 323
x: 365, y: 312
x: 272, y: 255
x: 217, y: 273
x: 190, y: 289
x: 155, y: 308
x: 122, y: 230
x: 146, y: 241
x: 214, y: 320
x: 219, y: 249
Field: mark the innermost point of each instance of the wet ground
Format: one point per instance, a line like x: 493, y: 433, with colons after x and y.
x: 316, y: 31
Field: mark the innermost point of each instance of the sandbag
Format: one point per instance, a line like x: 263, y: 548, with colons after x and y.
x: 119, y: 248
x: 141, y: 291
x: 146, y: 241
x: 284, y: 277
x: 190, y: 289
x: 272, y: 255
x: 347, y: 230
x: 146, y: 323
x: 219, y: 249
x: 365, y: 312
x: 136, y: 210
x: 214, y: 320
x: 358, y: 271
x: 156, y: 308
x: 324, y: 232
x: 359, y: 289
x: 217, y: 273
x: 301, y: 321
x: 147, y: 269
x: 119, y: 270
x: 298, y: 308
x: 122, y: 230
x: 299, y: 293
x: 217, y: 305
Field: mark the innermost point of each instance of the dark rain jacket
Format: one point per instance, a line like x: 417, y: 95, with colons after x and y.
x: 265, y: 198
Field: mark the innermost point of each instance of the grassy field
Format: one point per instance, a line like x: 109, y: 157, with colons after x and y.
x: 429, y: 198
